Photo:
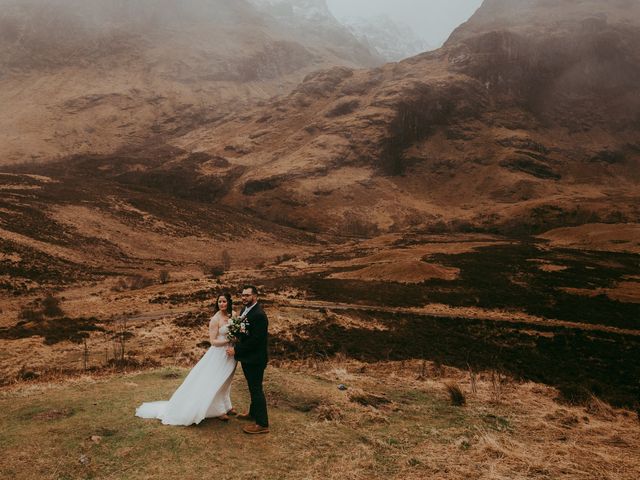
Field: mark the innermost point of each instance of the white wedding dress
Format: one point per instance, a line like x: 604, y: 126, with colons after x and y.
x: 205, y: 393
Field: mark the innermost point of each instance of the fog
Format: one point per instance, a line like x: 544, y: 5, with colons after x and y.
x: 432, y: 20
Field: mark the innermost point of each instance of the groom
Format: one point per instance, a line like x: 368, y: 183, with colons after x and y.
x: 251, y: 352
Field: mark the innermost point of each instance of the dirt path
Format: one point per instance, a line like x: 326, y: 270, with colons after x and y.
x: 434, y: 310
x: 446, y: 311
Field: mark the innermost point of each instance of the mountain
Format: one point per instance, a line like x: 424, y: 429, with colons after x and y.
x: 312, y: 19
x: 93, y: 76
x: 517, y: 125
x: 391, y: 40
x: 385, y: 39
x: 526, y: 119
x: 540, y: 18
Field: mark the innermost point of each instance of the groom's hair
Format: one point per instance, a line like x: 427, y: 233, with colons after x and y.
x: 253, y: 289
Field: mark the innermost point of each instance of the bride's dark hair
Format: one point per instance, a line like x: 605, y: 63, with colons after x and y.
x: 226, y: 295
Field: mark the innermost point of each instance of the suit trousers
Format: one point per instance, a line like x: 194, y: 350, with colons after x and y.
x: 254, y: 373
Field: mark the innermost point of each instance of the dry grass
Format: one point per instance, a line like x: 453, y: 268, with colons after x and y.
x: 403, y: 272
x: 386, y: 424
x: 597, y: 236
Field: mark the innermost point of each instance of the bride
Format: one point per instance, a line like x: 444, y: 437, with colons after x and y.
x: 206, y: 392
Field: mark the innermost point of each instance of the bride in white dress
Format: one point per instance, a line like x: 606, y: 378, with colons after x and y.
x: 206, y: 392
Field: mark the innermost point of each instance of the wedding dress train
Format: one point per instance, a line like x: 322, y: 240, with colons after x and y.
x: 203, y: 394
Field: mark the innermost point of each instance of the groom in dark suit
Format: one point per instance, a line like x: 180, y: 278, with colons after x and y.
x: 251, y: 352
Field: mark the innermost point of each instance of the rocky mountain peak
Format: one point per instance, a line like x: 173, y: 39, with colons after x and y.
x: 545, y: 17
x: 302, y: 9
x: 391, y: 40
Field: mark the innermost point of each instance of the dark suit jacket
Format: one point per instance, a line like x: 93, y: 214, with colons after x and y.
x: 252, y: 347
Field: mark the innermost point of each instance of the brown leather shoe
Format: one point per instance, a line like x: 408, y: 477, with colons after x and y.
x: 244, y: 416
x: 255, y: 429
x: 223, y: 418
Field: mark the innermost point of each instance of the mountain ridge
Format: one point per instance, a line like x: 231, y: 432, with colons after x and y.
x: 140, y: 68
x: 496, y: 130
x: 499, y: 130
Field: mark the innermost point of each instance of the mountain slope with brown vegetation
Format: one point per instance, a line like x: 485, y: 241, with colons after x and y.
x: 514, y: 126
x: 394, y: 420
x: 500, y: 129
x: 484, y: 195
x: 94, y: 76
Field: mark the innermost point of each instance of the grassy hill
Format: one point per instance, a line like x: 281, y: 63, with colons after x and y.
x: 394, y: 420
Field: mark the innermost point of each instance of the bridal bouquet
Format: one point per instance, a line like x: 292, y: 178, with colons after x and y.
x: 238, y: 326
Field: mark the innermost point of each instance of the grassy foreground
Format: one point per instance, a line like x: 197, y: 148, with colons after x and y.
x: 387, y: 424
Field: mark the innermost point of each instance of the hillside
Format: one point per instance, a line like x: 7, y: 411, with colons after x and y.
x: 386, y: 424
x: 514, y: 126
x: 498, y: 130
x: 93, y: 76
x: 531, y: 18
x: 481, y: 199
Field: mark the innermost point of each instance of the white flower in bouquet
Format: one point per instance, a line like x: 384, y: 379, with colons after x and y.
x: 238, y: 326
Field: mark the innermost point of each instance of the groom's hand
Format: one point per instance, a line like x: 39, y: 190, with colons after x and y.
x: 231, y: 351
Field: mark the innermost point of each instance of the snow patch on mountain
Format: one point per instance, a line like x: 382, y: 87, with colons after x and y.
x: 311, y: 10
x: 391, y: 40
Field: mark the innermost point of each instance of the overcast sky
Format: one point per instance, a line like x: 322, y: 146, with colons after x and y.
x: 433, y: 20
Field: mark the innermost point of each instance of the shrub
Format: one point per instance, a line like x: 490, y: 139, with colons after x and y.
x: 574, y: 394
x: 51, y: 306
x: 213, y: 270
x: 456, y: 396
x: 284, y: 258
x: 164, y: 276
x: 30, y: 315
x: 25, y: 374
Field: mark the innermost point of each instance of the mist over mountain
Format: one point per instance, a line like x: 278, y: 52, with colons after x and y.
x: 93, y: 76
x: 385, y: 39
x: 390, y: 40
x: 313, y: 19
